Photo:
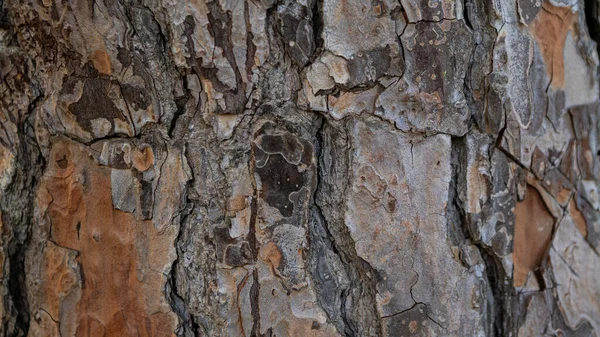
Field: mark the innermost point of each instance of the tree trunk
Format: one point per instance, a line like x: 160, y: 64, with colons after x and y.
x: 299, y: 168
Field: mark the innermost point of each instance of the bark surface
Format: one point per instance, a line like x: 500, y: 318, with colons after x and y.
x: 299, y: 168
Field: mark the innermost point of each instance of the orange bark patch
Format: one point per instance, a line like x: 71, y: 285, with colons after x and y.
x: 142, y: 160
x: 100, y: 254
x: 101, y: 62
x: 412, y: 326
x: 271, y: 254
x: 533, y: 233
x: 237, y: 203
x: 61, y: 289
x: 578, y: 218
x: 550, y: 29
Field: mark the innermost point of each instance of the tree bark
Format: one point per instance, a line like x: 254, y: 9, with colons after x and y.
x: 299, y: 168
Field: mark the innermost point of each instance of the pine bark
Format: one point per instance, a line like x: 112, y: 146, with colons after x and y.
x: 299, y: 168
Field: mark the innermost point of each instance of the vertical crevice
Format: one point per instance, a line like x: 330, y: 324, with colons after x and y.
x: 252, y: 227
x: 254, y: 300
x: 501, y: 300
x: 317, y: 22
x: 591, y: 19
x: 457, y: 227
x: 17, y: 206
x: 503, y: 306
x: 188, y: 327
x: 255, y: 288
x: 357, y: 312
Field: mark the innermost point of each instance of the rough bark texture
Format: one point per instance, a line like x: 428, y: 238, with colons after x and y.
x: 299, y: 168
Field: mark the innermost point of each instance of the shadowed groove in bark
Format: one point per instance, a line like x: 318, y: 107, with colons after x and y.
x: 188, y: 326
x: 17, y: 212
x: 317, y: 22
x: 255, y: 289
x: 504, y: 304
x: 361, y: 289
x: 254, y: 299
x: 591, y: 18
x: 501, y: 303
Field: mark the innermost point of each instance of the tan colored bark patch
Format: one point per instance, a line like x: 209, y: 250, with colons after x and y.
x: 142, y: 160
x: 237, y: 203
x: 533, y: 233
x: 550, y: 29
x: 101, y: 62
x: 578, y: 218
x: 271, y: 255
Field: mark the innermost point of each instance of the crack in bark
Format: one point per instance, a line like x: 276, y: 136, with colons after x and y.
x: 17, y: 206
x: 356, y: 267
x: 188, y: 326
x: 254, y: 305
x: 501, y: 306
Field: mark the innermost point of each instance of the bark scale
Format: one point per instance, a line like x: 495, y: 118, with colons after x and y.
x: 299, y: 168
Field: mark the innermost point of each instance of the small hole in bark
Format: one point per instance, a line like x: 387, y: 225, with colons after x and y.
x: 315, y: 325
x: 62, y: 163
x: 78, y: 228
x: 392, y: 205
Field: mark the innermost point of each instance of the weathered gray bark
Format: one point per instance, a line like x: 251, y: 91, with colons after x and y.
x: 299, y: 168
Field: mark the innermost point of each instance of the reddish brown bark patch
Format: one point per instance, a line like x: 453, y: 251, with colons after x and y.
x: 101, y: 62
x: 533, y: 234
x: 578, y: 218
